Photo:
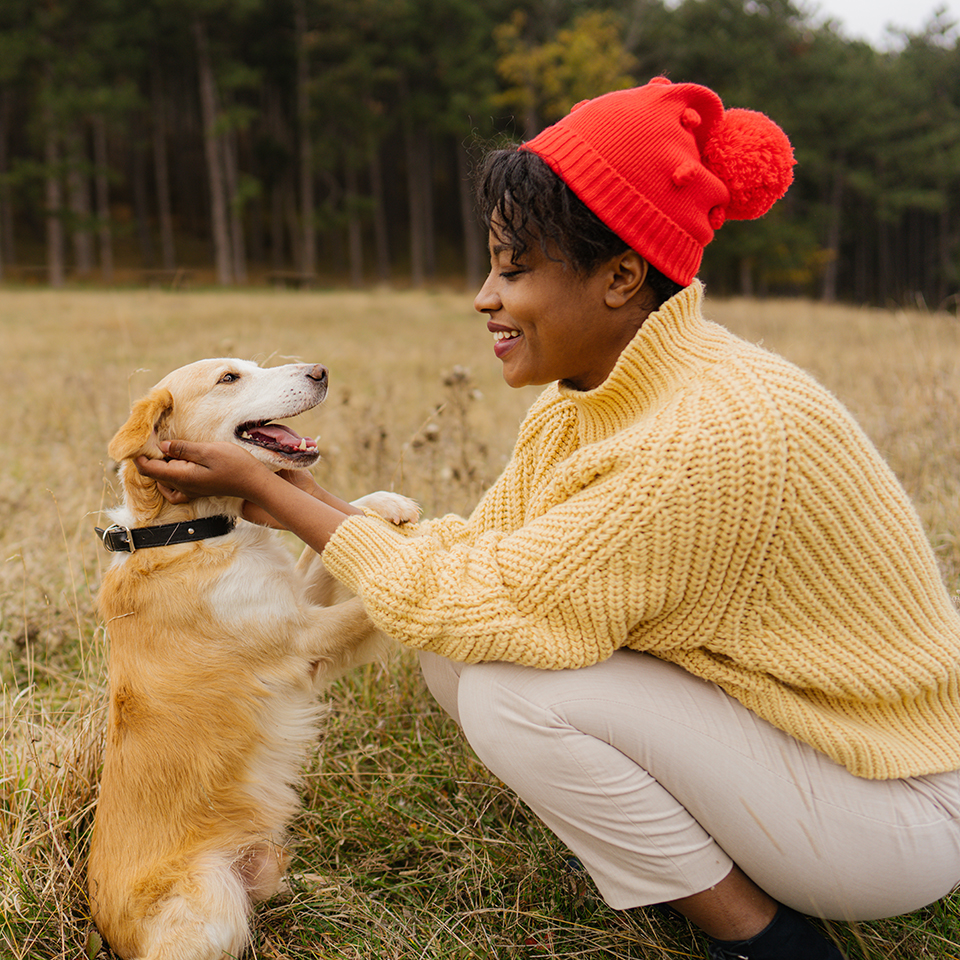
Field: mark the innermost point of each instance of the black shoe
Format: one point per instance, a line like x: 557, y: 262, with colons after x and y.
x: 788, y: 936
x: 719, y: 952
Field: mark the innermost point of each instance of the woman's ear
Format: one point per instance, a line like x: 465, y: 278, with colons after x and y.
x: 628, y: 273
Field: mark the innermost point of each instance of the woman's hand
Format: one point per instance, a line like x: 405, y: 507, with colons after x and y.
x: 205, y: 470
x: 225, y: 470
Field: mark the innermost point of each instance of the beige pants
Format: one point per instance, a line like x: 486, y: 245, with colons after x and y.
x: 659, y: 782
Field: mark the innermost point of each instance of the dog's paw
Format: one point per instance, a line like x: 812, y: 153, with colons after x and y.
x: 391, y: 506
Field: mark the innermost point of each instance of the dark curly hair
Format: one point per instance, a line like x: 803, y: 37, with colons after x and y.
x: 533, y: 205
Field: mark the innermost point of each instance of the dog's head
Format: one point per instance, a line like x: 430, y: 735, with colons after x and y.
x: 224, y: 399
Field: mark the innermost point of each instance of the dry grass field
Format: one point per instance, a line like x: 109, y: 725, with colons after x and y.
x: 407, y: 847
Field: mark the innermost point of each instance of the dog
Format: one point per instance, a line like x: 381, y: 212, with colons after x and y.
x: 219, y: 645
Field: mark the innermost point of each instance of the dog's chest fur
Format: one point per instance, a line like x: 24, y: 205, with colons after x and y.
x: 245, y: 581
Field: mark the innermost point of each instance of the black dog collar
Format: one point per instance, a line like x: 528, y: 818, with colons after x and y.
x: 120, y: 539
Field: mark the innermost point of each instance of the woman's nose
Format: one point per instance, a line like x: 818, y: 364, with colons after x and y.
x: 487, y: 298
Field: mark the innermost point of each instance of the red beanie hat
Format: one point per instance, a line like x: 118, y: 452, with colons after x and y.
x: 664, y: 165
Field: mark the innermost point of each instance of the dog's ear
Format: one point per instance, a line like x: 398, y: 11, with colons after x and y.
x: 141, y: 434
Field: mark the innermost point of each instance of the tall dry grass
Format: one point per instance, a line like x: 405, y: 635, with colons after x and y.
x: 407, y: 848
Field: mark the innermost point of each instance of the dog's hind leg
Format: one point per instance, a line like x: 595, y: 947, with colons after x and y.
x: 205, y: 916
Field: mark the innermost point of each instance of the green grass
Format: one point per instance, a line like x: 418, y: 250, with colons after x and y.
x: 406, y: 848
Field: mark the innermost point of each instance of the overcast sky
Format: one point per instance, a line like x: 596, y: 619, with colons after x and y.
x: 866, y: 19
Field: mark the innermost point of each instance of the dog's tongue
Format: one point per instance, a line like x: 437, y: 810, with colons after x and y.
x: 282, y: 436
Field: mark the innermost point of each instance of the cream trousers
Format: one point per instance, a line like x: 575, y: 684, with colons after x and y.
x: 659, y: 782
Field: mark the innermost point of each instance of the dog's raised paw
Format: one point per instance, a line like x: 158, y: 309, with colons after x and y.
x: 391, y: 506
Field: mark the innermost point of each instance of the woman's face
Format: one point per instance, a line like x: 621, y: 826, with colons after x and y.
x: 549, y: 322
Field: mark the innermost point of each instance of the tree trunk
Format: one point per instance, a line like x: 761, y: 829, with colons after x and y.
x: 862, y: 252
x: 6, y: 206
x: 255, y: 215
x: 293, y: 223
x: 138, y: 177
x: 945, y: 243
x: 238, y: 244
x: 746, y: 277
x: 532, y: 124
x: 79, y: 188
x: 380, y: 230
x: 426, y: 198
x: 415, y: 206
x: 277, y: 244
x: 220, y: 225
x: 884, y: 265
x: 161, y: 172
x: 277, y: 180
x: 472, y: 235
x: 354, y: 228
x: 102, y: 187
x: 308, y: 252
x: 828, y: 290
x: 54, y: 201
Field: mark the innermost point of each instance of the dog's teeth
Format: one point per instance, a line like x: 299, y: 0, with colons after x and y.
x: 245, y: 436
x: 303, y: 443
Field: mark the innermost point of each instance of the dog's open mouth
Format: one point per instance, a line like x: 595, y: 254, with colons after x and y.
x: 277, y: 437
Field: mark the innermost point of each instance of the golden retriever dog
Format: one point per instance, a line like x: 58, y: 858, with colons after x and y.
x: 219, y: 644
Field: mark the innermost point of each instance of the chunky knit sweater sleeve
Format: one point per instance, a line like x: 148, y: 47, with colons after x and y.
x: 496, y: 586
x: 709, y: 503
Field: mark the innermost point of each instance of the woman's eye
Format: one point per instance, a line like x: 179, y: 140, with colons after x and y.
x: 510, y: 274
x: 229, y: 378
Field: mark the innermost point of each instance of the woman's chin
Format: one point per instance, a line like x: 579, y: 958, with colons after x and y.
x: 516, y: 378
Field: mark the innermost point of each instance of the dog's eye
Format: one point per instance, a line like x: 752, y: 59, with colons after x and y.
x: 229, y: 378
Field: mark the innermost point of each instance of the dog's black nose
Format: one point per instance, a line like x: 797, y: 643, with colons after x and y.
x: 318, y: 373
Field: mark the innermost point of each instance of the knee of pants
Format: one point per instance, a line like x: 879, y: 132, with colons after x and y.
x: 508, y: 729
x: 442, y: 677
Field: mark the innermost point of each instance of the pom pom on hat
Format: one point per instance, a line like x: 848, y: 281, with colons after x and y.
x: 753, y: 158
x: 664, y: 165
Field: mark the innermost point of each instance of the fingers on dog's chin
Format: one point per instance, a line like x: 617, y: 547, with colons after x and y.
x: 173, y: 450
x: 171, y: 495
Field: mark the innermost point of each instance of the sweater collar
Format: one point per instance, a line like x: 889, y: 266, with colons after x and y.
x: 660, y: 356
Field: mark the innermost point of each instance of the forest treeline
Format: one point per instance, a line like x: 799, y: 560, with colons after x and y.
x: 248, y: 140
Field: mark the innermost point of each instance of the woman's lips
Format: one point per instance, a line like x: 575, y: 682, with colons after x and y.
x: 504, y: 339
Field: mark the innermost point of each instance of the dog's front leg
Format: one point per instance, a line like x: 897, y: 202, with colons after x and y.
x: 341, y: 637
x: 324, y: 589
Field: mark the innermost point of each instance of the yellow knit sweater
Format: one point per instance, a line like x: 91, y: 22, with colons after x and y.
x: 709, y: 503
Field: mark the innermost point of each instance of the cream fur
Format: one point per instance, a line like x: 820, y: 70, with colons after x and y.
x: 217, y: 652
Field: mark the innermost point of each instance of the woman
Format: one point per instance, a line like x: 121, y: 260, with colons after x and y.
x: 695, y: 624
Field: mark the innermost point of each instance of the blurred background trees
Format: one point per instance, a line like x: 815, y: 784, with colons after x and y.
x: 303, y: 141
